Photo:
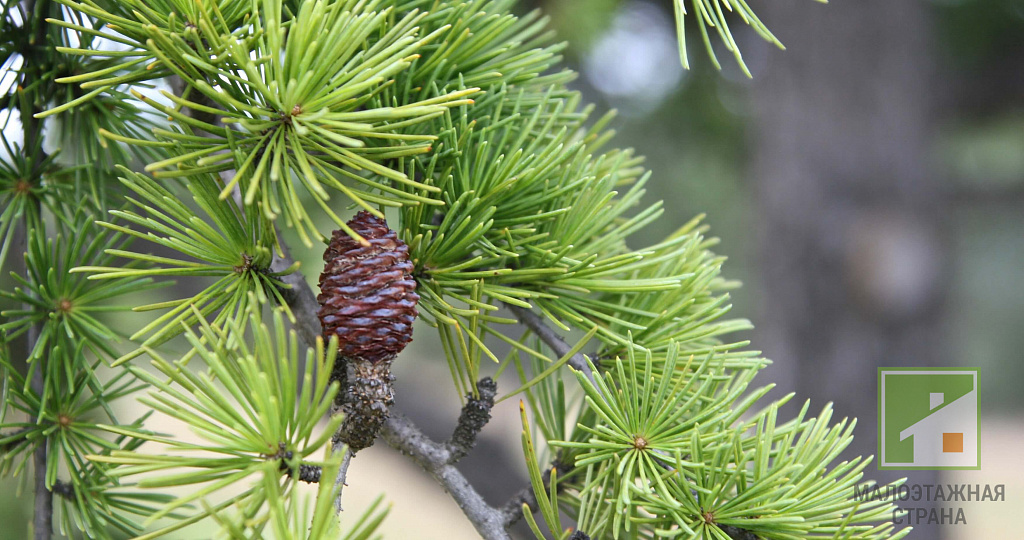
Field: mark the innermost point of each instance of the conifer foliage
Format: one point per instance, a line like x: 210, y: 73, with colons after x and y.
x: 151, y: 142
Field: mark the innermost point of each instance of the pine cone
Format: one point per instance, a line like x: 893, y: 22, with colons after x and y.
x: 367, y: 293
x: 368, y: 299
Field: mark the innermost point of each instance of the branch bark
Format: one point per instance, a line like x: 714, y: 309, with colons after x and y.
x: 32, y: 128
x: 550, y: 338
x: 512, y: 511
x: 436, y: 458
x: 42, y: 520
x: 299, y: 297
x: 64, y: 489
x: 339, y: 480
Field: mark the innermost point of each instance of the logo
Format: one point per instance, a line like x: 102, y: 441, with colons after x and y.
x: 928, y: 418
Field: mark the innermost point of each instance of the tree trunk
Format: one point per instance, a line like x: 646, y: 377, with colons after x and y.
x: 852, y: 250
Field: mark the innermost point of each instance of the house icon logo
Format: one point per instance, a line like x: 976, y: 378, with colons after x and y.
x: 928, y: 418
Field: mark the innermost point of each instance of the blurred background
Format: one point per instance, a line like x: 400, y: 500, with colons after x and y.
x: 868, y: 188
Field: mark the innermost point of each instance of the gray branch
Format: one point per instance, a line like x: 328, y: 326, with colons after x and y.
x: 512, y: 511
x: 550, y: 338
x: 435, y: 458
x: 32, y: 129
x: 309, y: 474
x: 64, y: 489
x: 339, y: 480
x: 300, y: 299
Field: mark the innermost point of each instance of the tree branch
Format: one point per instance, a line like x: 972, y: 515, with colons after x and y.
x: 299, y: 297
x: 42, y: 521
x: 436, y: 458
x: 339, y: 480
x: 512, y: 511
x: 309, y: 474
x: 32, y: 129
x: 550, y: 338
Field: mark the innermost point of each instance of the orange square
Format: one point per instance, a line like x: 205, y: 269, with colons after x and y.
x: 952, y: 442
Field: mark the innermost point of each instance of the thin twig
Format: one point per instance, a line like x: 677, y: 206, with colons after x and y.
x: 305, y: 472
x: 339, y: 480
x: 512, y: 511
x: 435, y: 458
x: 310, y: 474
x: 550, y: 338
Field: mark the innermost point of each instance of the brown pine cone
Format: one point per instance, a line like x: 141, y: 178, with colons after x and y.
x: 367, y: 293
x: 368, y: 299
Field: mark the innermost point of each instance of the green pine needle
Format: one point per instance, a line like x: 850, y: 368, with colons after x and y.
x: 256, y: 408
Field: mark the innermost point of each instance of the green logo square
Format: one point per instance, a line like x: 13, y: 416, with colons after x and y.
x: 928, y: 418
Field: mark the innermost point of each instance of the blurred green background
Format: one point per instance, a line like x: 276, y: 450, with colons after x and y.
x: 868, y: 188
